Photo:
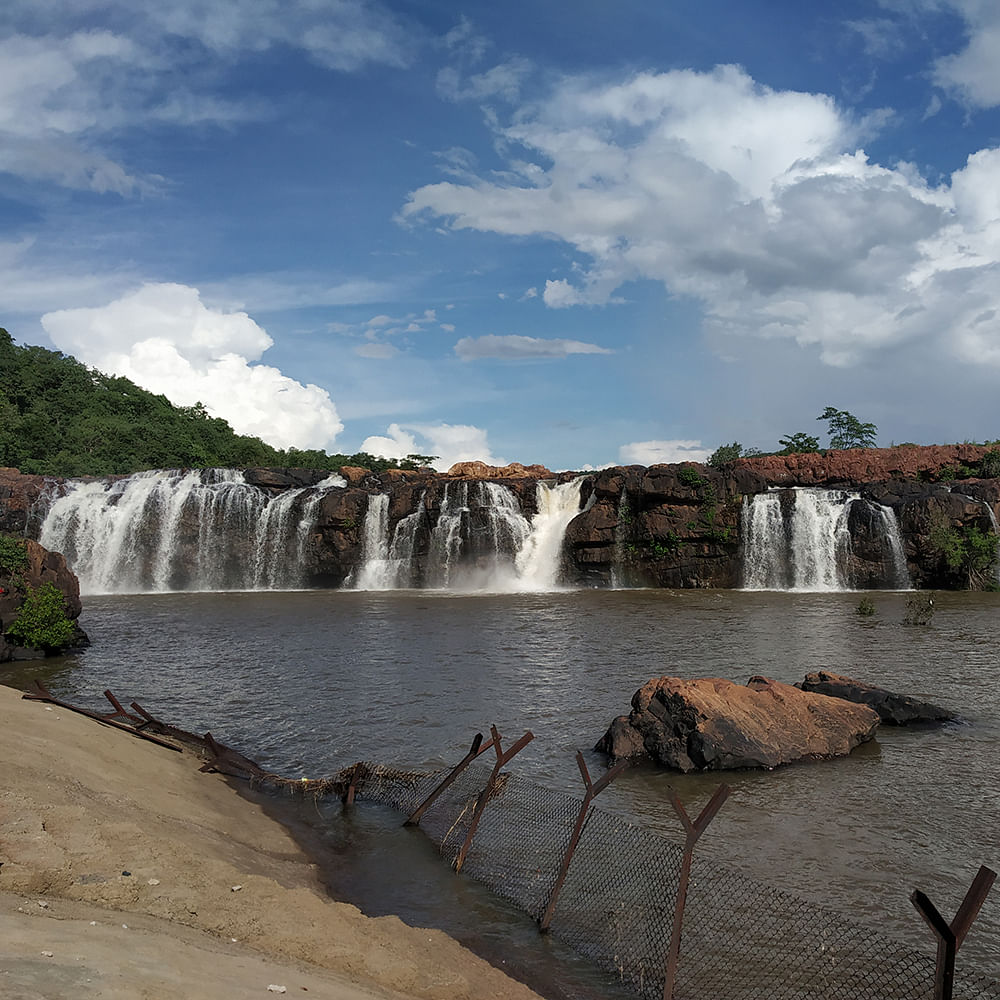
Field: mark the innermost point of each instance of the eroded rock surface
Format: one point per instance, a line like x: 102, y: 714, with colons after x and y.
x: 893, y: 709
x: 714, y: 724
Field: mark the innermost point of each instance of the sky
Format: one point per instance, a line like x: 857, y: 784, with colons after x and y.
x: 565, y: 232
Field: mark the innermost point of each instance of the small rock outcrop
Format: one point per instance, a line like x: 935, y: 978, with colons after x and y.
x: 893, y: 709
x: 480, y: 470
x: 714, y: 724
x: 42, y: 567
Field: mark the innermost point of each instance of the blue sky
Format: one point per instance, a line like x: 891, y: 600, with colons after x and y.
x: 574, y: 233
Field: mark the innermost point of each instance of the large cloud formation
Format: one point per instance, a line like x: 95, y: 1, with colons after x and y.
x: 165, y: 339
x: 450, y: 443
x: 758, y: 203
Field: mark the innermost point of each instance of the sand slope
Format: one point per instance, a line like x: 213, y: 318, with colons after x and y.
x: 81, y: 803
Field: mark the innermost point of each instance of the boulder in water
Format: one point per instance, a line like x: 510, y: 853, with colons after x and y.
x: 714, y: 724
x: 893, y: 709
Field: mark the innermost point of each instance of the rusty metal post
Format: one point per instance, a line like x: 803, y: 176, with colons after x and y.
x: 477, y: 748
x: 356, y: 773
x: 503, y: 757
x: 119, y: 712
x: 950, y: 936
x: 593, y: 790
x: 693, y: 832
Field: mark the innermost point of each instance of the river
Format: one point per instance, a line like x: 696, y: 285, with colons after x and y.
x: 310, y: 681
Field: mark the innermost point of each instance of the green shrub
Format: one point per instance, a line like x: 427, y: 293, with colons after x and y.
x: 725, y: 454
x: 13, y: 557
x: 690, y: 476
x: 989, y: 467
x: 865, y: 608
x: 42, y: 622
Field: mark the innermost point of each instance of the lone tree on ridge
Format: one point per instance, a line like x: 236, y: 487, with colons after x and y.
x: 846, y: 431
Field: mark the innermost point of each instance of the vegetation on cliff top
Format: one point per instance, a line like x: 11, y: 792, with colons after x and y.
x: 60, y: 418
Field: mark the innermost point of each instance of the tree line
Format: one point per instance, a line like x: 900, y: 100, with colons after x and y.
x: 60, y: 418
x: 844, y: 429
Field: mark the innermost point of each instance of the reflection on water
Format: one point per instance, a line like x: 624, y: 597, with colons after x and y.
x: 311, y: 681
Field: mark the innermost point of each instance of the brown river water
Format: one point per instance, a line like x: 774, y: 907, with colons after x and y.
x: 308, y: 682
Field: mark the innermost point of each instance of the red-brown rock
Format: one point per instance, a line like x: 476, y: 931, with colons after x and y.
x: 862, y: 465
x: 480, y: 470
x: 714, y: 724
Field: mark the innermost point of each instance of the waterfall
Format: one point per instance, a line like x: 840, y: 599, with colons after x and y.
x: 446, y: 538
x: 481, y: 540
x: 375, y: 571
x: 819, y: 536
x: 801, y: 539
x: 538, y: 561
x: 173, y: 530
x: 900, y: 572
x: 618, y: 558
x: 764, y: 543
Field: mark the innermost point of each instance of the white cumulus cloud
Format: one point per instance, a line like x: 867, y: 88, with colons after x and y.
x: 165, y: 339
x: 662, y: 452
x: 758, y: 203
x: 972, y: 73
x: 451, y: 443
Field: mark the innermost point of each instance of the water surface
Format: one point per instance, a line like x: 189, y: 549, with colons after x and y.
x: 308, y: 682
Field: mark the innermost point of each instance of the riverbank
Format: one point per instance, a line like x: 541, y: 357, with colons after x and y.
x: 127, y: 873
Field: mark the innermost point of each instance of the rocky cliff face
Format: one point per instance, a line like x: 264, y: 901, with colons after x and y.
x: 662, y: 526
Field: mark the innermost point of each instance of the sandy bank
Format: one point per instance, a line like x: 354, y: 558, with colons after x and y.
x: 81, y: 804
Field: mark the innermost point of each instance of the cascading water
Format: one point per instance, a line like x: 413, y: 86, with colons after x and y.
x: 538, y: 561
x: 801, y: 539
x: 173, y: 530
x: 446, y: 538
x: 481, y: 540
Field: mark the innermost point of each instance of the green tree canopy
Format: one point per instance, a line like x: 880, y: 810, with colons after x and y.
x: 793, y: 444
x: 846, y: 431
x: 60, y: 418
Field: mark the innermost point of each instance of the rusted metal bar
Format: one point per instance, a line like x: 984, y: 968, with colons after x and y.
x: 503, y: 757
x: 594, y: 788
x: 42, y: 693
x: 119, y: 712
x: 477, y: 748
x: 950, y: 936
x: 356, y: 773
x: 692, y: 831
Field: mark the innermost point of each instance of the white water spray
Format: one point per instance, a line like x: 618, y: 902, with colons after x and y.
x: 166, y: 530
x: 809, y: 550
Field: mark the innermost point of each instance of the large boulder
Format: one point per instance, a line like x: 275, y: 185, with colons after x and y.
x: 893, y: 709
x: 714, y: 724
x: 42, y: 567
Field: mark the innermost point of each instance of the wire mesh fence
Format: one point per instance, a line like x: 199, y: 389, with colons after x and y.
x: 742, y: 939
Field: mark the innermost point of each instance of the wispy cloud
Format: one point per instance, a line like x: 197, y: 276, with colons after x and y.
x: 513, y: 347
x: 66, y: 89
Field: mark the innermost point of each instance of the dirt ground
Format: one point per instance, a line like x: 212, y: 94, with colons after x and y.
x: 127, y: 873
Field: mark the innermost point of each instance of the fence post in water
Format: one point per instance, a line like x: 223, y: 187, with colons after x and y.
x: 692, y: 832
x: 477, y: 748
x: 503, y: 757
x: 950, y: 936
x: 593, y: 790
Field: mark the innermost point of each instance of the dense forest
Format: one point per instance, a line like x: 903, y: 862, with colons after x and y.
x: 60, y: 418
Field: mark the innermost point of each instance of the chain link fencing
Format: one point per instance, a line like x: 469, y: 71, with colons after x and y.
x: 742, y: 939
